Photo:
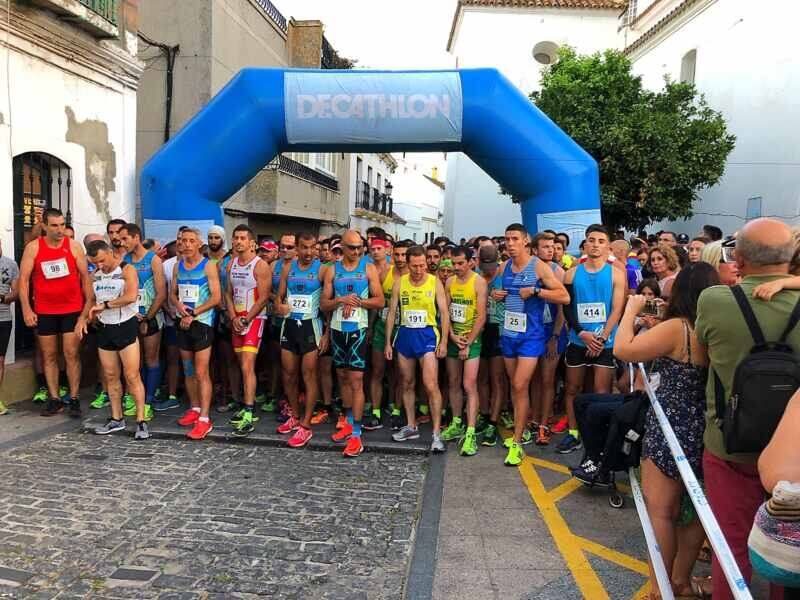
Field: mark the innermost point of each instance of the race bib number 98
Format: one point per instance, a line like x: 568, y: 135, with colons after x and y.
x: 592, y: 312
x: 415, y: 319
x: 55, y: 269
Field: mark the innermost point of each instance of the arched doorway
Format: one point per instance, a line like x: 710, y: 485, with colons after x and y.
x: 41, y: 181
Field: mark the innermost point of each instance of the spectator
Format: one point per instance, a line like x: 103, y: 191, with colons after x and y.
x: 668, y: 237
x: 695, y: 249
x: 764, y: 249
x: 632, y: 268
x: 683, y: 256
x: 681, y: 364
x: 712, y: 232
x: 713, y: 255
x: 663, y: 264
x: 9, y: 291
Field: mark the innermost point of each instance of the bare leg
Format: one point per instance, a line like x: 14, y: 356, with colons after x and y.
x: 573, y: 387
x: 326, y: 379
x: 48, y: 344
x: 454, y: 377
x: 408, y: 375
x: 499, y: 385
x: 291, y: 371
x: 470, y: 378
x: 131, y: 358
x: 377, y: 372
x: 603, y: 379
x: 247, y: 361
x: 520, y: 370
x: 430, y: 381
x: 109, y: 363
x: 71, y: 347
x: 190, y: 381
x: 663, y: 497
x: 173, y: 370
x: 204, y: 387
x: 309, y: 367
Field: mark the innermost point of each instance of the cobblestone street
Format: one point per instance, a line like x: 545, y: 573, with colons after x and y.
x: 83, y: 516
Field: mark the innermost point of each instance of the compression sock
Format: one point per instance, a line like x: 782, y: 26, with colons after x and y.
x: 350, y: 416
x: 151, y: 381
x: 356, y: 429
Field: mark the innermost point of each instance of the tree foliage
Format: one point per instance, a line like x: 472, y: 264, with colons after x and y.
x: 655, y: 150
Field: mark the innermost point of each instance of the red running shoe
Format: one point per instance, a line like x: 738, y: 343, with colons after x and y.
x: 561, y: 426
x: 200, y: 430
x: 344, y: 433
x: 300, y: 437
x: 320, y: 417
x: 189, y: 418
x: 342, y: 422
x: 354, y: 447
x: 290, y: 425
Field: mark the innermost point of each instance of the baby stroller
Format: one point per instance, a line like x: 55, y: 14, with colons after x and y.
x: 612, y: 428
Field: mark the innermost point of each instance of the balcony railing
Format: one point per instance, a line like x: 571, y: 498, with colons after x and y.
x: 273, y: 13
x: 301, y: 171
x: 107, y: 9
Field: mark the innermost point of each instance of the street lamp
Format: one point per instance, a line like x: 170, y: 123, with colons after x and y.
x: 389, y: 187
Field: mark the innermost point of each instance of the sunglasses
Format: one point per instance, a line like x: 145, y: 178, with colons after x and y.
x: 353, y: 246
x: 285, y: 247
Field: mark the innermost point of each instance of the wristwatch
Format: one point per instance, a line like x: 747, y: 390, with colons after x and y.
x: 536, y: 292
x: 105, y: 304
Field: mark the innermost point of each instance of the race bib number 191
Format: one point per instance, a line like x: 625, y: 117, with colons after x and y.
x: 415, y: 319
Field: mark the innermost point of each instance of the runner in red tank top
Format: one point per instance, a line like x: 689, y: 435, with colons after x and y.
x: 53, y: 275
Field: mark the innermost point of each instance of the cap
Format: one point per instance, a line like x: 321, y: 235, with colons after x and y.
x: 268, y: 245
x: 336, y: 245
x: 487, y: 254
x: 445, y: 263
x: 217, y: 230
x: 683, y: 238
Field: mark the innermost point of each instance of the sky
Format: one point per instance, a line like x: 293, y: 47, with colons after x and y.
x: 382, y: 34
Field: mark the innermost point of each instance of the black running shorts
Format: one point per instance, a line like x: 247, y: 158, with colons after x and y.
x: 119, y: 336
x: 55, y: 324
x: 198, y: 337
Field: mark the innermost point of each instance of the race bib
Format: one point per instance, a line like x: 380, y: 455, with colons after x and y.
x: 239, y: 299
x: 140, y: 296
x: 55, y: 269
x: 300, y: 304
x: 188, y: 293
x: 592, y: 312
x: 415, y: 319
x: 547, y: 316
x: 384, y: 313
x: 355, y: 315
x: 458, y: 313
x: 516, y: 321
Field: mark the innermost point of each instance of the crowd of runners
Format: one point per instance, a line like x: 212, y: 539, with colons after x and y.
x: 478, y: 338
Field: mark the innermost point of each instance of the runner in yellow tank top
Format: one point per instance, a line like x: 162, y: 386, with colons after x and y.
x: 467, y: 298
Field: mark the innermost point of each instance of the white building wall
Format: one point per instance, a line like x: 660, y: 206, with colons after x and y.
x: 748, y: 70
x: 504, y: 38
x: 418, y: 199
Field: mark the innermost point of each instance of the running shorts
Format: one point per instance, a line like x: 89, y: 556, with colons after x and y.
x: 350, y: 349
x: 55, y: 324
x: 379, y: 335
x: 5, y: 336
x: 414, y: 342
x: 575, y: 356
x: 250, y: 340
x: 154, y: 325
x: 490, y: 343
x: 522, y: 346
x: 119, y: 336
x: 301, y: 337
x: 273, y: 332
x: 474, y: 349
x: 198, y: 337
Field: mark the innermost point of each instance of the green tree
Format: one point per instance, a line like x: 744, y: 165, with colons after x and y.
x: 655, y: 150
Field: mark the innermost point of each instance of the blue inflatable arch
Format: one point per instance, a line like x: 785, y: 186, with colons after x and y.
x: 262, y: 112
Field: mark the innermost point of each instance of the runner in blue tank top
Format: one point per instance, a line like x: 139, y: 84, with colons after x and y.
x: 302, y: 336
x: 195, y: 294
x: 351, y: 289
x: 527, y: 284
x: 151, y: 296
x: 556, y: 340
x: 597, y: 292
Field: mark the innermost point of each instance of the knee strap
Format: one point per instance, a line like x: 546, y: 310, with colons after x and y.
x: 188, y: 368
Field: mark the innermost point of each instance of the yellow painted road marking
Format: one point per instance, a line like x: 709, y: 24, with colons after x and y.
x: 613, y: 556
x: 588, y: 581
x: 643, y: 592
x: 564, y: 489
x: 540, y: 462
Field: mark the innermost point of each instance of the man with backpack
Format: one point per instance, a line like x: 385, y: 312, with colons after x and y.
x: 746, y: 390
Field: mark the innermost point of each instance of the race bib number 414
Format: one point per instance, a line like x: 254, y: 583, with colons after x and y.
x: 592, y: 312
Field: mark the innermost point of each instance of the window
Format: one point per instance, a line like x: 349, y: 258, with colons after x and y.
x: 688, y: 64
x: 378, y: 183
x: 322, y: 162
x: 753, y: 208
x: 359, y: 169
x: 369, y: 176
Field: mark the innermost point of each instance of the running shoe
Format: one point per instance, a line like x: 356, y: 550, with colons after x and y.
x: 189, y: 418
x: 245, y: 424
x: 131, y: 412
x: 424, y: 414
x: 166, y: 404
x: 527, y: 438
x: 128, y: 404
x: 454, y: 431
x: 40, y: 395
x: 469, y: 447
x: 373, y: 422
x: 53, y: 407
x: 74, y: 408
x: 142, y: 431
x: 515, y: 456
x: 489, y: 436
x: 543, y: 436
x: 437, y: 445
x: 561, y: 425
x: 342, y: 421
x: 288, y: 426
x: 506, y: 420
x: 320, y: 417
x: 406, y: 433
x: 62, y: 392
x: 244, y: 415
x: 226, y: 406
x: 101, y: 400
x: 344, y: 433
x: 300, y: 437
x: 568, y: 444
x: 3, y: 409
x: 396, y: 421
x: 111, y: 426
x: 200, y: 430
x: 268, y: 405
x: 354, y: 447
x: 590, y: 474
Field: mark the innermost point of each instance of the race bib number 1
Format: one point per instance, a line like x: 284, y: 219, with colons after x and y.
x: 188, y: 293
x: 415, y: 319
x: 516, y: 321
x: 55, y: 269
x: 592, y: 312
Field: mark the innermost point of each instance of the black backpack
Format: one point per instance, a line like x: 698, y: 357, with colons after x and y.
x: 623, y: 448
x: 763, y: 383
